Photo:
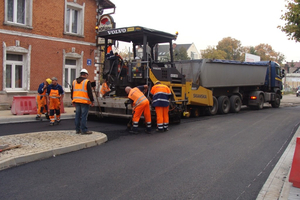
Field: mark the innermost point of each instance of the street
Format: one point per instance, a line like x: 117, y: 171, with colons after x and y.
x: 218, y: 157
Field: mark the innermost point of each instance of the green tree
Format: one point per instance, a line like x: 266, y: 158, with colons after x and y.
x: 181, y: 54
x: 292, y: 20
x: 212, y: 53
x: 232, y: 47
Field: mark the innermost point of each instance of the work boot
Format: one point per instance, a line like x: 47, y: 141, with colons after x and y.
x: 134, y: 131
x: 166, y: 129
x: 78, y: 132
x: 87, y: 133
x: 159, y: 130
x: 38, y: 117
x: 51, y: 123
x: 58, y: 121
x: 148, y: 130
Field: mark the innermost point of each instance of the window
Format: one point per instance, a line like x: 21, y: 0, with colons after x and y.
x: 70, y: 72
x: 14, y: 71
x: 74, y: 18
x: 18, y: 12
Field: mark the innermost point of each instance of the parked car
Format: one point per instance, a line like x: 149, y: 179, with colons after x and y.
x: 298, y: 91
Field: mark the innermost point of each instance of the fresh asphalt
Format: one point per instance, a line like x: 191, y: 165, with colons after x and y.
x: 219, y: 157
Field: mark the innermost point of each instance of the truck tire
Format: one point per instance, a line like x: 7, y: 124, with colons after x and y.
x: 276, y: 103
x: 212, y: 110
x: 235, y: 104
x: 224, y: 105
x: 261, y: 101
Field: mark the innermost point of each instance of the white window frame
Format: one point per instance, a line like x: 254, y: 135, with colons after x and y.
x: 26, y: 53
x: 80, y: 18
x: 27, y: 17
x: 78, y: 67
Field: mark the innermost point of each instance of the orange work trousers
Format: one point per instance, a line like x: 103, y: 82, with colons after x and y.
x: 162, y: 117
x: 42, y: 105
x: 54, y: 106
x: 144, y: 107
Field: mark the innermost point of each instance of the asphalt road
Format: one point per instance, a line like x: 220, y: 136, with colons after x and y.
x: 220, y: 157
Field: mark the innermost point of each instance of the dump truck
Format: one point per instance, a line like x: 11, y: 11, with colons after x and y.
x: 197, y: 86
x: 235, y: 83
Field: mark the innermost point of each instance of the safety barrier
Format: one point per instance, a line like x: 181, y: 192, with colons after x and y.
x: 24, y: 105
x: 294, y: 174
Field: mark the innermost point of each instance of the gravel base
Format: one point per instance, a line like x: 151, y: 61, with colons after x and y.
x: 32, y: 143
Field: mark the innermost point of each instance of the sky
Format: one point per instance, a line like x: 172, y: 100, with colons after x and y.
x: 205, y: 22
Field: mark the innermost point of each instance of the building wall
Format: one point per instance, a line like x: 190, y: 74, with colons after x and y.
x: 48, y: 45
x: 291, y: 81
x: 193, y: 51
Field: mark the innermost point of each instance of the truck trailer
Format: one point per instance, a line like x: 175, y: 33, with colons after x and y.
x: 212, y: 86
x: 235, y: 83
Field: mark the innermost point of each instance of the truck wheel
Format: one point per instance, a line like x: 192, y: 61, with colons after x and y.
x: 224, y: 104
x: 261, y: 101
x: 235, y: 104
x: 276, y: 103
x: 212, y: 110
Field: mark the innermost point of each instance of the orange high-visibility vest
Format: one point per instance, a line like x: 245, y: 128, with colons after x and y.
x: 54, y: 94
x: 104, y: 88
x: 137, y: 96
x: 80, y: 93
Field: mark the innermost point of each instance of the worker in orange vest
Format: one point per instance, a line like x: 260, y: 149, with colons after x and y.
x: 82, y: 98
x: 161, y: 95
x: 105, y: 89
x: 55, y: 94
x: 42, y: 99
x: 140, y: 105
x: 109, y: 51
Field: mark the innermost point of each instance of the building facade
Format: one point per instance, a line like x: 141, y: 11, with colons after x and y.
x: 43, y: 39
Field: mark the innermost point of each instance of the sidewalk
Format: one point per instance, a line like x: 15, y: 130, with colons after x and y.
x: 7, y: 117
x: 40, y: 145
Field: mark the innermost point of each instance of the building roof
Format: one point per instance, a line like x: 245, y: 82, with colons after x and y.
x: 106, y: 4
x: 295, y: 68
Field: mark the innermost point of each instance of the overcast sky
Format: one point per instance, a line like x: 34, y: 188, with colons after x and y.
x: 205, y: 22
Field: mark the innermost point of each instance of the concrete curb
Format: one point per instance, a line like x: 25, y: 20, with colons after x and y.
x: 277, y: 185
x: 11, y: 162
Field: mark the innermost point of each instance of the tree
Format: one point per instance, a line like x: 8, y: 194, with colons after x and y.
x: 266, y: 52
x: 181, y: 54
x: 212, y: 53
x: 232, y: 47
x: 292, y: 18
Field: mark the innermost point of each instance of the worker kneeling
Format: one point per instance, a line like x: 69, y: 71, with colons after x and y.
x: 161, y: 95
x: 140, y: 105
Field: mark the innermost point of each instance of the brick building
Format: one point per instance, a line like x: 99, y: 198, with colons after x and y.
x: 42, y: 39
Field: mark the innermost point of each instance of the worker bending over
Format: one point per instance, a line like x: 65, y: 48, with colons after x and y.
x: 140, y: 105
x: 42, y: 99
x: 161, y: 95
x: 55, y: 94
x: 105, y: 89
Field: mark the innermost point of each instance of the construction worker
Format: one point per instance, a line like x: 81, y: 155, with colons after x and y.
x: 161, y: 95
x: 109, y: 51
x: 140, y: 105
x: 42, y: 99
x: 105, y: 89
x: 82, y: 98
x: 55, y: 94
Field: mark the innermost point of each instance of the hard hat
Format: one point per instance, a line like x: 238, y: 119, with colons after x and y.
x: 49, y: 81
x: 54, y: 78
x: 84, y: 71
x: 156, y: 82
